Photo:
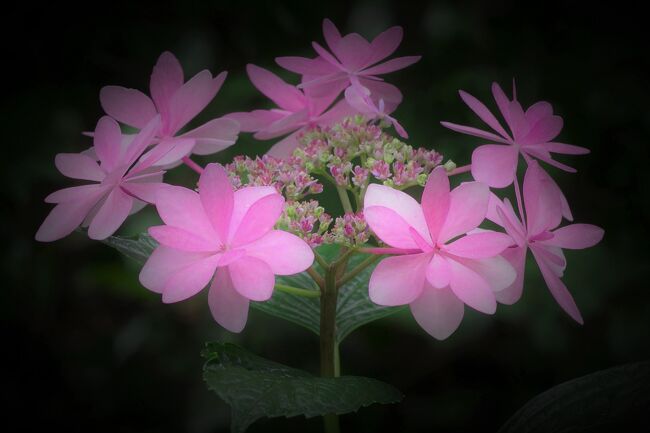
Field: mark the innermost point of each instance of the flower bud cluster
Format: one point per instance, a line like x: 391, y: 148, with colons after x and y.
x: 350, y: 230
x: 307, y: 220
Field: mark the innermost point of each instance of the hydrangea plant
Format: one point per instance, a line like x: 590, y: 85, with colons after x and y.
x: 254, y: 232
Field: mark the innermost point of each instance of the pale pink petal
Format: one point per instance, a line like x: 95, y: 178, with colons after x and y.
x: 379, y: 90
x: 217, y: 198
x: 352, y: 50
x: 181, y: 207
x: 566, y: 149
x: 480, y: 245
x: 135, y: 146
x: 517, y: 258
x: 438, y: 272
x: 541, y: 199
x: 483, y: 113
x: 435, y: 201
x: 331, y: 33
x: 305, y: 66
x: 190, y: 280
x: 129, y: 106
x: 244, y: 200
x: 145, y: 191
x: 358, y: 98
x: 390, y: 227
x: 518, y: 122
x: 497, y: 271
x: 474, y: 132
x: 168, y: 152
x: 285, y: 147
x: 252, y: 278
x: 91, y: 192
x: 392, y: 65
x: 467, y: 209
x: 385, y: 44
x: 258, y: 220
x: 78, y: 166
x: 166, y: 79
x: 538, y: 111
x: 558, y: 289
x: 576, y: 236
x: 284, y: 125
x: 495, y: 164
x: 471, y: 288
x: 63, y: 219
x: 512, y: 224
x: 503, y: 102
x: 398, y: 280
x: 108, y: 142
x: 229, y: 308
x: 404, y: 206
x: 544, y: 130
x: 336, y: 114
x: 111, y: 215
x: 192, y: 98
x: 255, y: 120
x: 284, y: 95
x: 214, y: 136
x: 163, y: 264
x: 438, y: 311
x: 181, y: 239
x: 285, y: 253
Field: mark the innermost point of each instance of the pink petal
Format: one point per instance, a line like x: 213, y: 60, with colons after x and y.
x: 467, y: 209
x: 284, y: 148
x: 517, y: 258
x: 483, y: 113
x: 190, y: 280
x: 398, y: 280
x: 358, y: 98
x: 108, y: 142
x: 495, y: 164
x: 91, y: 192
x: 284, y: 95
x: 538, y: 111
x: 163, y: 263
x: 392, y: 65
x: 401, y: 205
x: 518, y: 123
x: 385, y: 44
x: 138, y: 144
x: 182, y: 208
x: 111, y: 215
x: 129, y: 106
x: 192, y: 98
x: 474, y: 132
x: 214, y: 136
x: 541, y: 199
x: 285, y: 253
x: 512, y: 224
x: 168, y: 151
x: 576, y: 236
x: 471, y: 288
x: 558, y: 289
x: 479, y: 245
x: 544, y: 130
x: 438, y: 272
x: 217, y: 197
x: 336, y: 114
x: 331, y: 33
x: 542, y: 154
x: 497, y: 271
x: 229, y: 308
x: 503, y: 102
x: 255, y: 120
x: 435, y: 201
x: 305, y: 66
x: 252, y: 278
x: 166, y: 79
x: 380, y: 90
x: 284, y: 125
x: 145, y: 191
x: 251, y: 220
x: 64, y: 219
x: 566, y: 149
x: 352, y: 50
x: 78, y: 166
x: 438, y: 311
x: 183, y: 240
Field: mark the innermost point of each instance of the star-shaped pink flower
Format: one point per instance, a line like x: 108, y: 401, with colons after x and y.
x: 176, y: 102
x: 361, y: 100
x: 123, y: 185
x: 436, y: 271
x: 540, y: 234
x: 531, y: 134
x: 224, y: 238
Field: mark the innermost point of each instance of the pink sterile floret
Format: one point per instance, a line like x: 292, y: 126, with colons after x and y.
x: 225, y: 237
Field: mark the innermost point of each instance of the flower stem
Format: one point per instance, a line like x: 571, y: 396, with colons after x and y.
x: 360, y: 267
x: 459, y: 170
x: 329, y: 359
x: 297, y: 291
x: 316, y: 277
x: 345, y: 199
x: 193, y: 165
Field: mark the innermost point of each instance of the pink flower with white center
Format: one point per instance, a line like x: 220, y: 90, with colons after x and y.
x: 297, y: 111
x: 435, y: 271
x: 543, y: 211
x: 176, y: 102
x: 532, y: 135
x: 360, y: 99
x: 224, y: 238
x: 352, y: 60
x: 123, y: 186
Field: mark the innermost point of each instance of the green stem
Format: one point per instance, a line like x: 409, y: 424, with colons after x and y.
x: 320, y: 260
x: 329, y: 359
x: 297, y: 291
x: 345, y: 199
x: 360, y: 267
x: 316, y: 277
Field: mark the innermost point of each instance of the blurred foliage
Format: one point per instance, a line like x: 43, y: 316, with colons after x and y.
x: 87, y: 348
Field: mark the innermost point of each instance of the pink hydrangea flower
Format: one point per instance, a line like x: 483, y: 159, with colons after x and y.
x: 540, y: 234
x: 297, y: 111
x: 531, y: 133
x: 176, y: 102
x: 123, y: 186
x: 436, y: 272
x: 360, y: 99
x: 351, y: 60
x: 224, y: 237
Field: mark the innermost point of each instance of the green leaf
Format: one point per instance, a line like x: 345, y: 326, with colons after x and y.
x: 138, y: 248
x: 255, y: 387
x: 608, y: 400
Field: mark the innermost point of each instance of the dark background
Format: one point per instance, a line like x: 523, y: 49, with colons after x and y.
x: 87, y: 348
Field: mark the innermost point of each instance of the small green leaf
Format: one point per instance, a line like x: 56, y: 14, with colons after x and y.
x: 255, y: 387
x: 608, y: 400
x: 138, y: 248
